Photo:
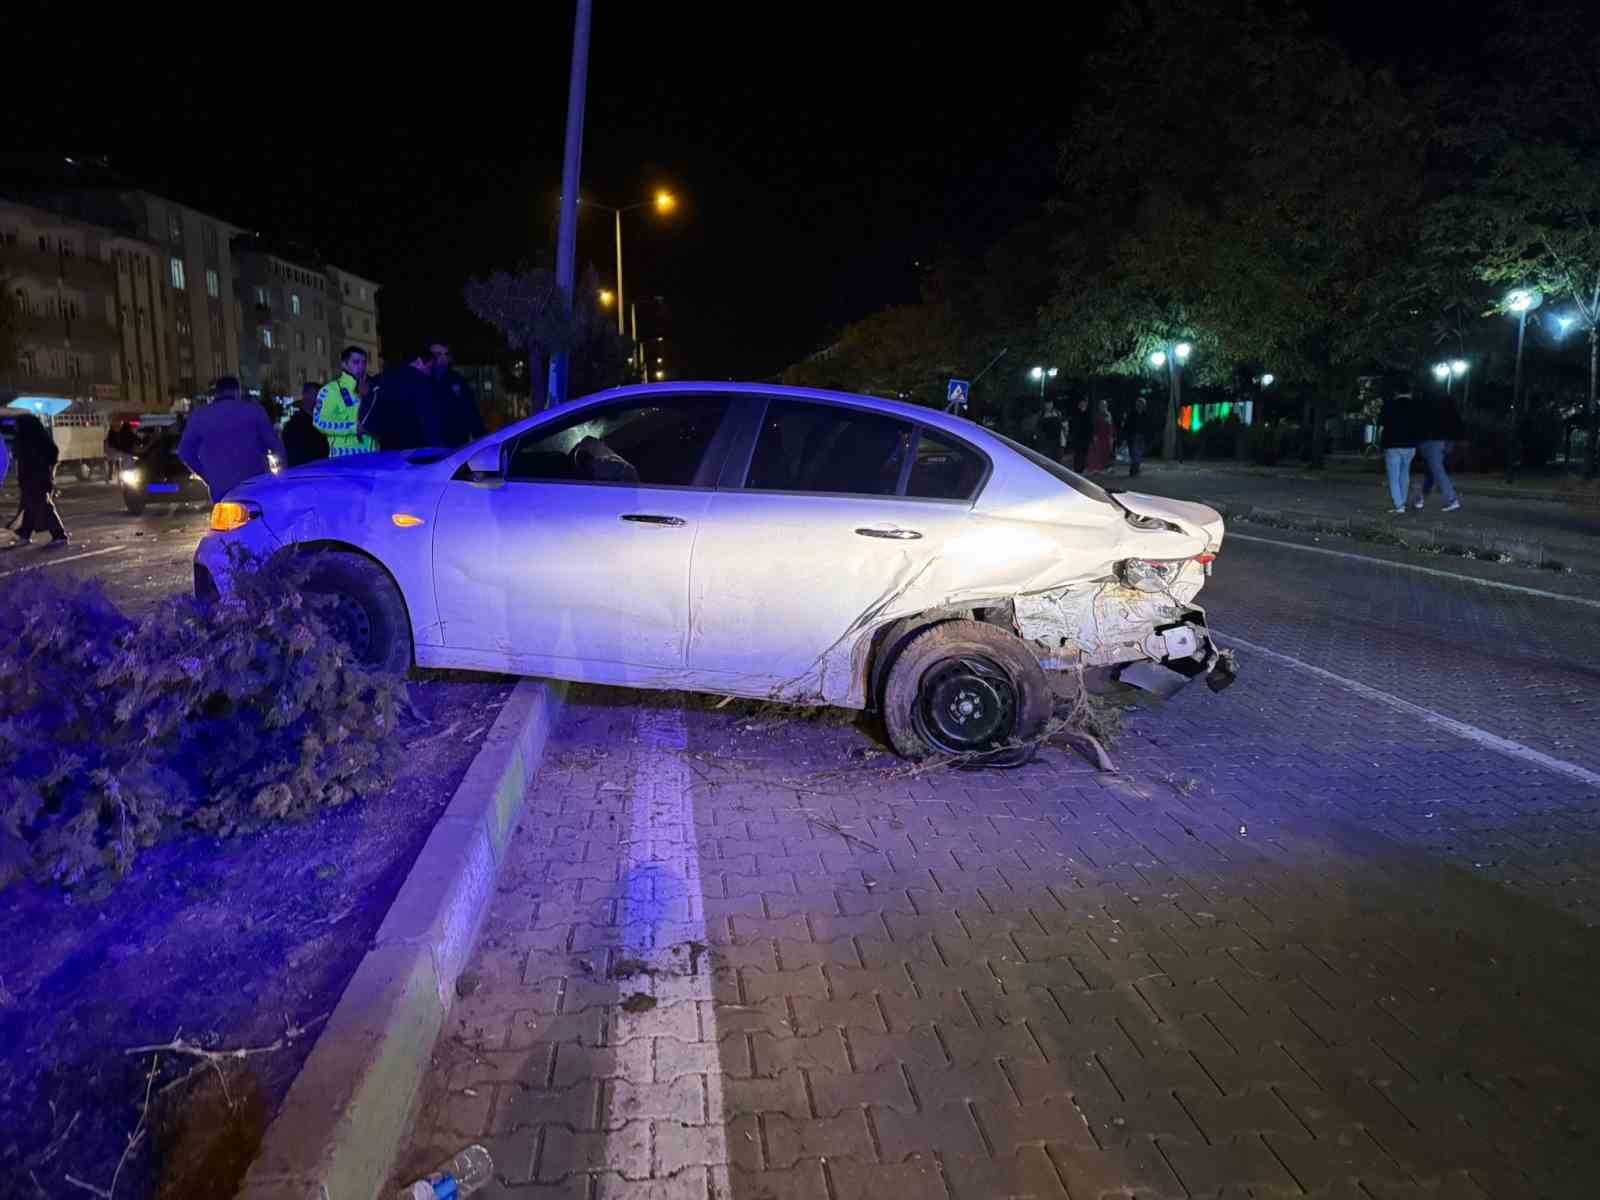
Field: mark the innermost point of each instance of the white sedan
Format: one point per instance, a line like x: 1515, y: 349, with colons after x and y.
x: 769, y: 542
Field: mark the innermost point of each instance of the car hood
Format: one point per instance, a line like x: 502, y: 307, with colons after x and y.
x: 1199, y: 519
x: 377, y: 462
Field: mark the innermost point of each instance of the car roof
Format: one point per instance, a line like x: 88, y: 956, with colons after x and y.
x: 898, y: 408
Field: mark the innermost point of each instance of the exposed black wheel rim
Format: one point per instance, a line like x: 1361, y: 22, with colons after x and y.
x: 967, y: 705
x: 352, y: 625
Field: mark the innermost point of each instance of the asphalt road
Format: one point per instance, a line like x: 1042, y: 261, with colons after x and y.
x: 137, y: 559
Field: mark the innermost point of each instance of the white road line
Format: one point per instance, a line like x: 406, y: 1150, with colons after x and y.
x: 1461, y: 729
x: 55, y: 559
x: 1404, y: 566
x: 661, y: 865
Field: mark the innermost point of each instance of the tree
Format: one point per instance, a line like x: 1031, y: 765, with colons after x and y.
x: 905, y: 351
x: 1531, y: 217
x: 528, y: 310
x: 1262, y: 201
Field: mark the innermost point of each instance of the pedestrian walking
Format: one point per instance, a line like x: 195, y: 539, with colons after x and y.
x: 1080, y: 433
x: 1133, y: 434
x: 1049, y: 433
x: 228, y: 440
x: 1441, y: 425
x: 1399, y: 420
x: 302, y: 440
x: 406, y: 410
x: 460, y: 421
x: 37, y: 456
x: 1103, y: 445
x: 339, y: 406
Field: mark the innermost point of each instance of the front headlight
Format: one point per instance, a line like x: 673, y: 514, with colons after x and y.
x: 133, y: 476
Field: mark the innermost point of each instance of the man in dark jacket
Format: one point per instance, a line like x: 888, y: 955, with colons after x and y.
x: 36, y: 455
x: 1399, y: 420
x: 1441, y: 425
x: 302, y: 440
x: 405, y: 406
x: 459, y: 420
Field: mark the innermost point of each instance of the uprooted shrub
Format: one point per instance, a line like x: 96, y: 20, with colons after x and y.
x: 216, y: 717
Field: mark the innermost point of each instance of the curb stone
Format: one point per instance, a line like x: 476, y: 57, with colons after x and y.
x: 340, y: 1126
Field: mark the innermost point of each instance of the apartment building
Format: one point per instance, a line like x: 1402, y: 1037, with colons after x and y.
x: 284, y: 314
x: 94, y: 309
x: 353, y: 314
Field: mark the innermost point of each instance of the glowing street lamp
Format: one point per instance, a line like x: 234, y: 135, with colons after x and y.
x: 1522, y: 301
x: 1268, y: 379
x: 1041, y: 374
x: 663, y: 202
x: 606, y: 297
x: 1448, y: 372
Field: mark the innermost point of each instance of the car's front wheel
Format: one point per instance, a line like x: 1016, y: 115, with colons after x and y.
x: 132, y: 501
x: 969, y: 689
x: 368, y: 614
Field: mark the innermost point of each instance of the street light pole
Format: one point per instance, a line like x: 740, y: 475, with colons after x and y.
x: 1522, y: 302
x: 621, y: 329
x: 571, y: 170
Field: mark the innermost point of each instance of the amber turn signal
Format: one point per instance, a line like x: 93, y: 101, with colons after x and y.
x: 228, y: 515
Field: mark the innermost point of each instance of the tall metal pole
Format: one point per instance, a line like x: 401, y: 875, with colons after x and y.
x: 1169, y: 435
x: 571, y: 171
x: 1589, y: 451
x: 633, y: 317
x: 1514, y: 437
x: 618, y: 214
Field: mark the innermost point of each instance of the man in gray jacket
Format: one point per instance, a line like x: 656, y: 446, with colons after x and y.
x: 228, y: 440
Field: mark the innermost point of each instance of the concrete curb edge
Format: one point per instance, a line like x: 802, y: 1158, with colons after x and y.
x: 340, y: 1126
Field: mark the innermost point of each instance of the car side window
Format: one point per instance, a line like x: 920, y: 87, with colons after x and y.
x: 650, y: 442
x: 943, y: 469
x: 806, y: 447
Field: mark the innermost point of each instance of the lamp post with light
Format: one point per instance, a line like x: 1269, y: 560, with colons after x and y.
x: 1040, y: 374
x: 1522, y: 302
x: 1448, y: 372
x: 1172, y: 357
x: 663, y: 202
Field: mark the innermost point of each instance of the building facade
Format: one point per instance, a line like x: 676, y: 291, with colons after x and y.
x: 94, y: 312
x: 353, y: 315
x: 284, y: 314
x: 196, y: 269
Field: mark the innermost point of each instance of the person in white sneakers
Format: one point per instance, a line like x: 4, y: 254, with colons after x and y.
x: 1399, y: 432
x: 1440, y: 425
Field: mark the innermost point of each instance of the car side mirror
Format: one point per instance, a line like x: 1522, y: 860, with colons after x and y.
x: 485, y: 463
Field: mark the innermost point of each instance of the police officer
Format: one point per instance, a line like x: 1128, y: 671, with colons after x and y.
x: 338, y: 412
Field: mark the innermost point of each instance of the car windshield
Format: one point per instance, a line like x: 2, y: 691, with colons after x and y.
x: 1072, y: 479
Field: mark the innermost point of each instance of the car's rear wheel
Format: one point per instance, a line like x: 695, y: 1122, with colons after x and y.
x: 968, y: 689
x: 132, y: 501
x: 368, y: 613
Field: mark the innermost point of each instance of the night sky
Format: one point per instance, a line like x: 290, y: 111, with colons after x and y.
x: 819, y: 152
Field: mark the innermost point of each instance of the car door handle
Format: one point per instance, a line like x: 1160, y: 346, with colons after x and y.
x: 898, y: 535
x: 653, y: 519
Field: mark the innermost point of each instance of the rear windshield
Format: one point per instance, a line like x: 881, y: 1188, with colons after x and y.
x: 1072, y: 479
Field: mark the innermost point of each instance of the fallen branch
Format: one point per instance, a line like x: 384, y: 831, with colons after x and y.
x: 214, y: 1059
x: 134, y: 1139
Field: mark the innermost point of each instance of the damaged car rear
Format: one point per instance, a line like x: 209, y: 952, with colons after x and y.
x: 766, y: 542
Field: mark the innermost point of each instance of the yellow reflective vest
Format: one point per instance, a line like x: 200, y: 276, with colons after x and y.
x: 338, y: 416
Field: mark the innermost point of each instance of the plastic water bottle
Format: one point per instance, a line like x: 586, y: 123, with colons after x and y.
x: 461, y: 1176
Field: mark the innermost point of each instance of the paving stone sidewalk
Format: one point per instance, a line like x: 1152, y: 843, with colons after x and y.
x: 748, y: 957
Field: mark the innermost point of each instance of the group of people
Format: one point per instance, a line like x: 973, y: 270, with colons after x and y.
x: 1092, y: 434
x: 420, y: 402
x: 1411, y: 429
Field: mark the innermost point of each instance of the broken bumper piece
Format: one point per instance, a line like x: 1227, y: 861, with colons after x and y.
x: 1190, y: 654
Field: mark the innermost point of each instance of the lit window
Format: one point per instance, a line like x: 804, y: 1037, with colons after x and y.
x: 213, y: 286
x: 261, y: 297
x: 322, y: 345
x: 177, y: 273
x: 299, y: 340
x: 363, y: 291
x: 175, y: 226
x: 294, y: 303
x: 266, y: 337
